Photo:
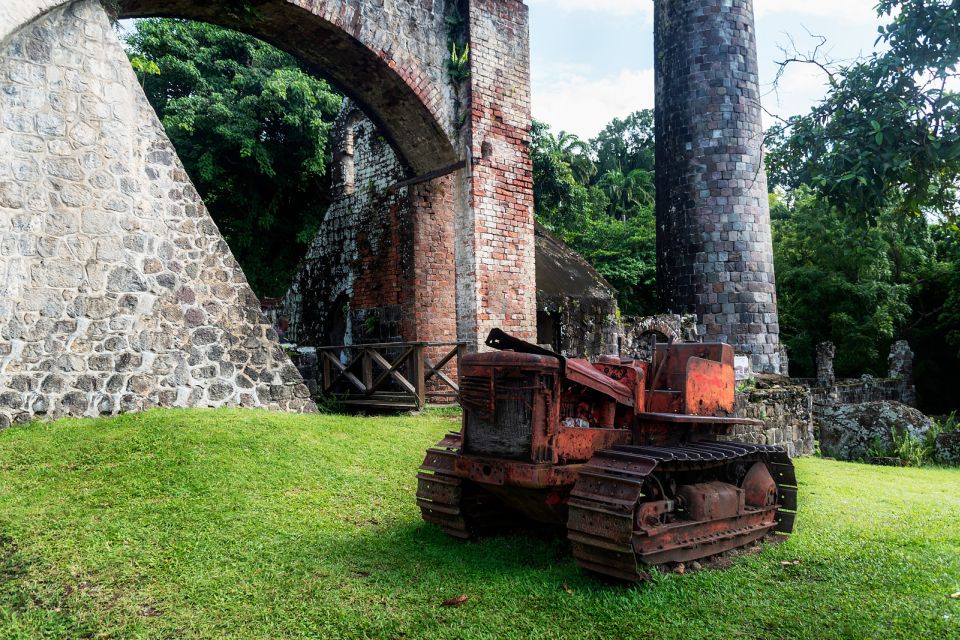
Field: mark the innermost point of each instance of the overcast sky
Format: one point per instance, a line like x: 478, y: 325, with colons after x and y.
x: 592, y: 60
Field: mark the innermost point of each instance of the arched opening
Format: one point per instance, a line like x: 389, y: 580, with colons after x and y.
x: 351, y: 50
x: 125, y: 295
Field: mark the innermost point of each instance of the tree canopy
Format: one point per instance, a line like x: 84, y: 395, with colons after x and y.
x: 865, y: 205
x: 887, y: 134
x: 251, y: 126
x: 598, y: 196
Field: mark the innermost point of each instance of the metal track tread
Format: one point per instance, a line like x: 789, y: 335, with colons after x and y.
x: 602, y: 504
x: 439, y: 491
x: 450, y: 502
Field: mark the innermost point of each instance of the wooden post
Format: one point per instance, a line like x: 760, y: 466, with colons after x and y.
x: 327, y: 374
x: 419, y: 382
x: 367, y: 366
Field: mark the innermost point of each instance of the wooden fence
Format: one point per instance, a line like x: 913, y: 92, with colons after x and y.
x: 392, y: 375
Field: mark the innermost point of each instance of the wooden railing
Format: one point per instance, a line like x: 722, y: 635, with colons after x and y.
x: 391, y: 375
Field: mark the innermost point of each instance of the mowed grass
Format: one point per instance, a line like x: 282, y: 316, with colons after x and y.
x: 245, y: 524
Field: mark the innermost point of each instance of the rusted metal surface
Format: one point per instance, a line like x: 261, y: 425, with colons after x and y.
x: 623, y: 454
x: 708, y: 389
x: 711, y: 500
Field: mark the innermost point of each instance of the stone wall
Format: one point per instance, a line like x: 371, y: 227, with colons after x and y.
x: 117, y: 291
x: 638, y: 335
x: 714, y: 245
x: 351, y: 287
x: 787, y: 413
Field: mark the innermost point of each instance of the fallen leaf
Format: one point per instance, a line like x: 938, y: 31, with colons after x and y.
x: 956, y: 596
x: 680, y: 569
x: 789, y: 563
x: 566, y: 588
x: 455, y: 602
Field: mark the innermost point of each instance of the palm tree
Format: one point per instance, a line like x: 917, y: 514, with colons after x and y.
x: 575, y: 152
x: 627, y: 192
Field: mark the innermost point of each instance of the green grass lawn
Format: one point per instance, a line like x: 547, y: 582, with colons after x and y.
x: 232, y: 524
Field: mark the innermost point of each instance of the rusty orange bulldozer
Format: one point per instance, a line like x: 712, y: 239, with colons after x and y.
x: 628, y: 456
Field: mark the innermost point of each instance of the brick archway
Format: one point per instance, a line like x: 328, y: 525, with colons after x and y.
x: 117, y: 292
x: 352, y: 43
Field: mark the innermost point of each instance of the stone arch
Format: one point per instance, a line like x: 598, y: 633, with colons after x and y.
x: 350, y: 42
x: 117, y: 291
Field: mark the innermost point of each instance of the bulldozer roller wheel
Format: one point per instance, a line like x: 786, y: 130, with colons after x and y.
x: 603, y: 508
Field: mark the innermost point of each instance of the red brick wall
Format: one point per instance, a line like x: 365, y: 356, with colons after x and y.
x: 432, y: 290
x: 501, y: 193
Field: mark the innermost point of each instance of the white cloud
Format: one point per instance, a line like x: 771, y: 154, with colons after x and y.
x: 619, y: 7
x: 848, y: 10
x: 573, y: 98
x: 857, y: 10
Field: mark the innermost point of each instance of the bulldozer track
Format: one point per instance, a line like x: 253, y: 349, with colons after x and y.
x: 439, y: 491
x: 601, y: 521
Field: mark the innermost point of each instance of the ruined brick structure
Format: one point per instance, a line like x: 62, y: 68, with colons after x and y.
x: 118, y: 292
x: 357, y: 278
x: 714, y: 247
x: 379, y: 269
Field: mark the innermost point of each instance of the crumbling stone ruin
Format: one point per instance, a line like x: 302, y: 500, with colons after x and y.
x: 120, y: 294
x: 826, y: 352
x: 868, y: 429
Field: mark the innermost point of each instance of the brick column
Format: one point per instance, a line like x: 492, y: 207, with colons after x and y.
x: 714, y: 248
x: 432, y: 297
x: 495, y: 241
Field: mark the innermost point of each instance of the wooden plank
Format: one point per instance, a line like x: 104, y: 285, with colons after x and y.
x: 419, y: 382
x: 391, y: 370
x: 435, y: 371
x: 344, y: 373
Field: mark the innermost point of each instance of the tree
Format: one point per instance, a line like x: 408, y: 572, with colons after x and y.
x: 837, y: 280
x: 626, y: 144
x: 887, y: 135
x: 573, y: 151
x: 628, y: 194
x: 251, y: 126
x: 562, y: 202
x: 619, y: 240
x: 623, y: 252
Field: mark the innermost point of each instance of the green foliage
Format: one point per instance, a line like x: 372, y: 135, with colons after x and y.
x: 837, y: 281
x: 251, y: 126
x: 143, y: 67
x: 878, y: 449
x: 623, y: 252
x: 628, y: 194
x: 887, y: 135
x: 626, y: 144
x: 459, y: 63
x: 607, y: 217
x: 250, y: 524
x: 950, y: 424
x: 911, y: 450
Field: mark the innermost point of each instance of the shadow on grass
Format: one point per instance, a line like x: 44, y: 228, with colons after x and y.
x: 422, y: 553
